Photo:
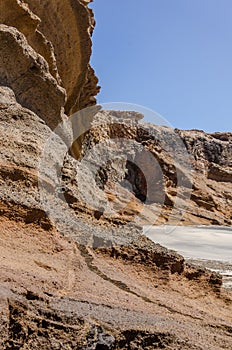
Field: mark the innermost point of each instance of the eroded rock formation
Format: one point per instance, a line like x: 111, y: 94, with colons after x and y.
x: 45, y: 53
x: 184, y: 176
x: 76, y: 271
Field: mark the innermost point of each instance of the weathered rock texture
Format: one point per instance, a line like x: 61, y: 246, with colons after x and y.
x: 45, y: 53
x: 57, y: 294
x: 76, y: 272
x: 153, y: 174
x: 105, y: 285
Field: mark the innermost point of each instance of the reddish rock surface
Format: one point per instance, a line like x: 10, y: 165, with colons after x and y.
x: 76, y: 271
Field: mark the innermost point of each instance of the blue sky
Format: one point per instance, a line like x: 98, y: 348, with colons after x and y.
x: 172, y: 56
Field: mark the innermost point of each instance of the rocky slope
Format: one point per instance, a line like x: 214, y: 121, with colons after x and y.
x: 162, y: 175
x: 76, y: 271
x: 56, y: 294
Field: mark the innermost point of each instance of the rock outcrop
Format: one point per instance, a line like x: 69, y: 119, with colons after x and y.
x: 76, y: 270
x: 45, y: 53
x: 152, y: 174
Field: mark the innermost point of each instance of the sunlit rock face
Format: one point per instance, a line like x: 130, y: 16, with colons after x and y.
x: 44, y: 60
x: 45, y: 53
x: 153, y: 174
x: 76, y: 270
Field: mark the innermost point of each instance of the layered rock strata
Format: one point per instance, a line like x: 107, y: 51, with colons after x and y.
x: 103, y: 284
x: 153, y: 174
x: 76, y: 270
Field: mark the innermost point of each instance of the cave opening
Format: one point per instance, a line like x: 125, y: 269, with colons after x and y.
x: 135, y: 181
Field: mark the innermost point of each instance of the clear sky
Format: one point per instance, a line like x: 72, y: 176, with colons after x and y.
x: 172, y: 56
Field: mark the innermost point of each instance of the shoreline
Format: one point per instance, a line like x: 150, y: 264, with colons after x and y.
x: 206, y: 246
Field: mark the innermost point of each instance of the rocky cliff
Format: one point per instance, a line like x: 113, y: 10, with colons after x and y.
x: 45, y: 53
x: 76, y: 270
x: 162, y: 175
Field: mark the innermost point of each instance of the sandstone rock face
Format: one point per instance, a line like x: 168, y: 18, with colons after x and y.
x: 31, y: 80
x: 104, y: 284
x: 51, y: 43
x: 76, y: 271
x: 212, y: 179
x: 17, y: 14
x: 145, y: 169
x: 72, y: 21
